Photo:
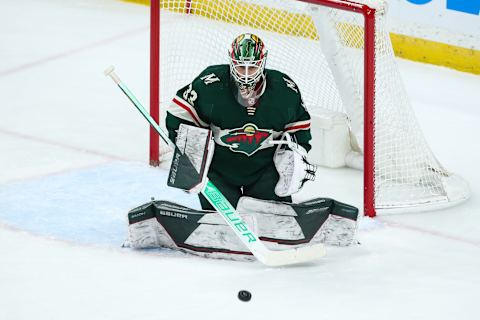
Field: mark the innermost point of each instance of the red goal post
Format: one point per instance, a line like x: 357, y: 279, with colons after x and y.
x: 402, y: 181
x: 369, y: 15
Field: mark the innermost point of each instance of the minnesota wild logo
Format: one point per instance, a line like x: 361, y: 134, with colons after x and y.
x: 248, y: 139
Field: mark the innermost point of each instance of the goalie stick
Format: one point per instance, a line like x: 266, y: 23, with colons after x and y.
x: 225, y: 208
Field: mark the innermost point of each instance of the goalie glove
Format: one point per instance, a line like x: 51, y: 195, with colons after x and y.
x: 292, y: 165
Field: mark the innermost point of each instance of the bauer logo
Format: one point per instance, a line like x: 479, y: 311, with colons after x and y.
x: 173, y: 214
x: 312, y: 202
x: 174, y: 168
x: 137, y: 215
x: 228, y: 212
x: 317, y: 211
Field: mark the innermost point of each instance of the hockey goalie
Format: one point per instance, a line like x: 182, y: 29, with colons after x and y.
x: 245, y: 128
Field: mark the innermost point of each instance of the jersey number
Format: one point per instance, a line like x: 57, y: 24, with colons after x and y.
x: 190, y: 95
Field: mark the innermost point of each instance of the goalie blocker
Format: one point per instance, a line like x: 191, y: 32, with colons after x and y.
x: 191, y: 159
x: 170, y: 225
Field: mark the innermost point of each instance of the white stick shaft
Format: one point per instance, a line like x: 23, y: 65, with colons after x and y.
x: 111, y: 73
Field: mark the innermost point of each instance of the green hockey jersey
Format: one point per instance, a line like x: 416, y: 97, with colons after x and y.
x: 241, y: 134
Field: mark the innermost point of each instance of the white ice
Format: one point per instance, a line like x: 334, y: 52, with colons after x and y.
x: 73, y: 161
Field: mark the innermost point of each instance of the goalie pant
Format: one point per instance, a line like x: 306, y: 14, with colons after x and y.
x: 279, y: 224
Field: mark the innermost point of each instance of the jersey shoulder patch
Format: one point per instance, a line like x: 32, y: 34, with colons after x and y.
x: 204, y: 85
x: 210, y: 78
x: 281, y: 81
x: 290, y: 84
x: 217, y: 74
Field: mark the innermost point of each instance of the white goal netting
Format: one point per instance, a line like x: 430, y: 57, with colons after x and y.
x: 322, y: 50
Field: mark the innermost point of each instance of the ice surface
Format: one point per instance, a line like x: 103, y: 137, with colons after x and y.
x: 73, y: 156
x: 86, y: 206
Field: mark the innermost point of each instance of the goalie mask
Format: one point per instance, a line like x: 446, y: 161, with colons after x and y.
x: 247, y: 68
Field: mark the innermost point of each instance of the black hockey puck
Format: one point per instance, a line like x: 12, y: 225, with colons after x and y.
x: 244, y: 295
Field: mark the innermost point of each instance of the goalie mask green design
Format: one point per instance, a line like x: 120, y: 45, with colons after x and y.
x: 247, y: 67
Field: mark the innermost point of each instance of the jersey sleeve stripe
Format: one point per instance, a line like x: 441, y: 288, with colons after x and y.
x: 296, y: 126
x: 182, y: 109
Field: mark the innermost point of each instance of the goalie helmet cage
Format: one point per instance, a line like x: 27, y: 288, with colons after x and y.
x: 340, y: 55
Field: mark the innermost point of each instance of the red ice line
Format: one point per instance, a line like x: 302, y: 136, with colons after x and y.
x: 431, y: 232
x: 60, y: 144
x: 55, y: 173
x: 60, y: 56
x: 70, y: 52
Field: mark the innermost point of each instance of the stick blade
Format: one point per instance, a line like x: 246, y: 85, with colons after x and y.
x: 293, y: 256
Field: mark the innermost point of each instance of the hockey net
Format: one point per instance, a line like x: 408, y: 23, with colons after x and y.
x: 340, y: 55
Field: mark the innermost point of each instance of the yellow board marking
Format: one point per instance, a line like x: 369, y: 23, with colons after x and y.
x: 294, y: 24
